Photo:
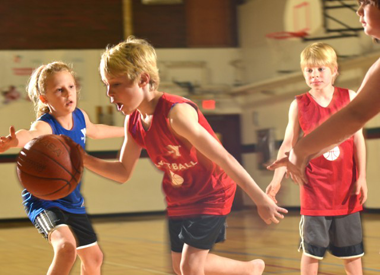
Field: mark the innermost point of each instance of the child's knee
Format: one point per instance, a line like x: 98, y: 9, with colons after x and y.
x: 98, y: 259
x: 188, y: 268
x: 93, y: 261
x: 66, y: 250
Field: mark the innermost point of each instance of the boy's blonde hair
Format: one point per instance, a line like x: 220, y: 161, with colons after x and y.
x: 320, y: 54
x: 131, y: 57
x: 36, y: 85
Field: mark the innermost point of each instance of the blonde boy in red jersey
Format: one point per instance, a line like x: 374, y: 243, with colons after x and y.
x: 331, y: 201
x: 199, y: 174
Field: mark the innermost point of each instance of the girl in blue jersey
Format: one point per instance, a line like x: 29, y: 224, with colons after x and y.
x: 64, y: 222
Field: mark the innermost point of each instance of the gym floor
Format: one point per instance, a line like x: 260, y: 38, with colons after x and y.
x: 138, y: 245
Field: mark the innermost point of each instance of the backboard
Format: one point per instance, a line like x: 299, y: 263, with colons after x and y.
x: 303, y: 16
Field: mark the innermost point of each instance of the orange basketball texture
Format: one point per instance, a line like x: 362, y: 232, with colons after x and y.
x: 49, y: 168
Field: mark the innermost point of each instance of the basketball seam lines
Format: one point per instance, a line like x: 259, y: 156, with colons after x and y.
x: 51, y: 159
x: 66, y: 147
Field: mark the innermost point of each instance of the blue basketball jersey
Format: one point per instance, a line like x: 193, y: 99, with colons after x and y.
x: 74, y: 202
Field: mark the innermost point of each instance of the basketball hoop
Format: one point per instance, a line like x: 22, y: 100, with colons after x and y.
x: 286, y: 35
x: 301, y: 19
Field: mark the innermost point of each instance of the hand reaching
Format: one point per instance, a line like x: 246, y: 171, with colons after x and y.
x: 295, y: 168
x: 269, y: 211
x: 272, y: 190
x: 8, y: 141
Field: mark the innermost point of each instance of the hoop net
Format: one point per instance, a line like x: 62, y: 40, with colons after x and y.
x: 286, y: 35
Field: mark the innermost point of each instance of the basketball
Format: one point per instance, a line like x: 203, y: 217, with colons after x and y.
x: 49, y: 167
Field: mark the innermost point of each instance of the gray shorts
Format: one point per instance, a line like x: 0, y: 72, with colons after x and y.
x: 341, y: 235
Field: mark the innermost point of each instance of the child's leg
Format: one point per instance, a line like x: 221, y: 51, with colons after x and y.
x: 353, y: 266
x: 176, y: 262
x: 201, y: 262
x: 64, y: 246
x: 315, y: 238
x: 220, y: 265
x: 87, y: 246
x: 309, y: 265
x: 347, y: 242
x: 191, y: 240
x: 92, y: 259
x: 193, y: 261
x: 70, y: 234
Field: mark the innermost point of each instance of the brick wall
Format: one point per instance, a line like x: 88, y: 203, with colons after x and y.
x: 60, y: 24
x: 94, y: 24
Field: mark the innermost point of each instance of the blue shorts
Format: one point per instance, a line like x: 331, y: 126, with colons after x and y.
x: 201, y: 232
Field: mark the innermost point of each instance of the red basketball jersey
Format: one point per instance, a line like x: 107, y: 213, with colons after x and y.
x: 193, y: 185
x: 332, y: 175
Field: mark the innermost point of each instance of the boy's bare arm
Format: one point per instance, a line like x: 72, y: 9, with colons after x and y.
x: 184, y: 121
x: 290, y: 139
x: 360, y: 155
x: 360, y: 160
x: 120, y: 170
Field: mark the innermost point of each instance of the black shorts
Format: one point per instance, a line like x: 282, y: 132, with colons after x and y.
x: 201, y: 232
x: 48, y: 220
x: 341, y: 235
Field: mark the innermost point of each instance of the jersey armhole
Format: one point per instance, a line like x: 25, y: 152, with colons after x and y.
x: 174, y: 104
x: 190, y: 103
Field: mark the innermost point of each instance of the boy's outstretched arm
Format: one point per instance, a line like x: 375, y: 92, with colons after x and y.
x: 184, y: 121
x: 120, y: 170
x: 292, y: 133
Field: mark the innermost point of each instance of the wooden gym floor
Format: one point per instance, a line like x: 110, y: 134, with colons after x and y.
x: 138, y: 245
